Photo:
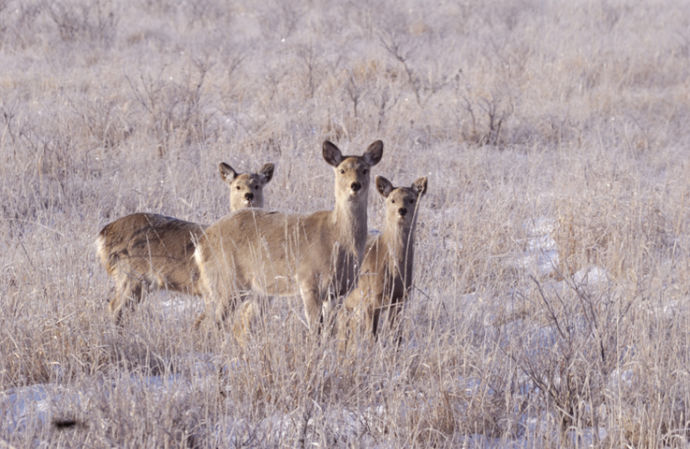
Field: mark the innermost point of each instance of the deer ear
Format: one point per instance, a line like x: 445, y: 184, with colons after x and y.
x: 226, y: 172
x: 373, y: 154
x: 384, y: 186
x: 267, y: 172
x: 331, y: 153
x: 420, y: 186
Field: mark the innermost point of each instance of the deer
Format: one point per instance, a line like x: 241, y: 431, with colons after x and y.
x: 385, y: 277
x: 316, y: 256
x: 147, y: 251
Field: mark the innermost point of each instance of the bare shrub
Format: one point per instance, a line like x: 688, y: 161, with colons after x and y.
x: 93, y: 22
x: 401, y: 48
x: 174, y: 109
x: 103, y: 120
x: 569, y: 357
x: 486, y: 119
x: 611, y: 234
x: 309, y: 55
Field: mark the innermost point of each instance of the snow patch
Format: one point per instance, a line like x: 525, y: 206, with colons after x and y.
x: 541, y: 251
x: 591, y: 276
x: 35, y: 406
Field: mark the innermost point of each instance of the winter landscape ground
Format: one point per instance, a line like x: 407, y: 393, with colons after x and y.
x: 551, y: 305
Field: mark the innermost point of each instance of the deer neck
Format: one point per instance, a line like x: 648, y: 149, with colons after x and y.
x: 349, y: 218
x: 399, y: 243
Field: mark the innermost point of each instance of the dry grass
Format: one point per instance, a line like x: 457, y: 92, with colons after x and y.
x: 519, y: 112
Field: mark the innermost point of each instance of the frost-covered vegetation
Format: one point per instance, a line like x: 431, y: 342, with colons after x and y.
x: 552, y: 284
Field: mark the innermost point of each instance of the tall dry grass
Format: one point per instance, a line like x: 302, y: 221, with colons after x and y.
x: 572, y: 117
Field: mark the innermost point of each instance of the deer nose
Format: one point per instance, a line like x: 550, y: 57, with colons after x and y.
x: 402, y: 211
x: 249, y: 196
x: 355, y: 186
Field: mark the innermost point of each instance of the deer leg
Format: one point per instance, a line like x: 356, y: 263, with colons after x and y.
x: 342, y: 329
x: 226, y: 305
x: 330, y: 309
x: 395, y: 321
x: 373, y: 320
x: 127, y: 294
x: 247, y: 314
x: 312, y: 304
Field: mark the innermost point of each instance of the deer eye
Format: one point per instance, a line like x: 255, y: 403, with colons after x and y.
x: 365, y: 171
x: 238, y: 187
x: 256, y: 187
x: 342, y: 171
x: 393, y: 201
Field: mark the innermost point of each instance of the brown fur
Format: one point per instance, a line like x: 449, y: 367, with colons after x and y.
x: 385, y: 278
x: 279, y: 254
x: 144, y: 250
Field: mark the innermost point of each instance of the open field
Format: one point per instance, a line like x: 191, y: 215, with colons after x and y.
x: 552, y: 281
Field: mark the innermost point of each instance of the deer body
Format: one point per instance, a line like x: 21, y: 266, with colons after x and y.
x: 385, y: 278
x: 281, y: 254
x: 145, y: 251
